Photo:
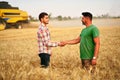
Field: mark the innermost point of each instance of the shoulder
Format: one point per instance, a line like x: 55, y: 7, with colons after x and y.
x: 41, y: 29
x: 93, y: 27
x: 95, y: 31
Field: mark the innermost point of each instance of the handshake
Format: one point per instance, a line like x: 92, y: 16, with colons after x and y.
x: 62, y: 43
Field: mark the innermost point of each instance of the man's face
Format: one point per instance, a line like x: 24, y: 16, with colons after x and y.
x: 84, y: 20
x: 45, y: 20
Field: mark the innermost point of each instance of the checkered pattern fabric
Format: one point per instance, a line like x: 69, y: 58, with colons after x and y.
x: 44, y: 40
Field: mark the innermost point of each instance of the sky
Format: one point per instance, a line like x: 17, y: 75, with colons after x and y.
x: 72, y: 8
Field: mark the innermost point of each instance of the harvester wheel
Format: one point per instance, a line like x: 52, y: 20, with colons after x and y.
x: 2, y: 24
x: 18, y: 26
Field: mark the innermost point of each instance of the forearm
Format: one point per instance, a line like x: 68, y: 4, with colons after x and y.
x: 96, y: 51
x: 74, y: 41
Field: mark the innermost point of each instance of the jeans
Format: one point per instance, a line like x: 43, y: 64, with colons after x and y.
x: 45, y: 59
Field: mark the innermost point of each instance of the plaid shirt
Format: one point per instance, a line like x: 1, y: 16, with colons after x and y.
x: 44, y: 40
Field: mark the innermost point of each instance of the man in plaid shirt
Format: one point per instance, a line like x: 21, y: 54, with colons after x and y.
x: 44, y: 40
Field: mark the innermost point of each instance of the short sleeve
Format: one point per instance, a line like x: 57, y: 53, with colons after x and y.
x: 80, y: 35
x: 95, y: 32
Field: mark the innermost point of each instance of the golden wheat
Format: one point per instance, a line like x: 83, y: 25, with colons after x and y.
x: 19, y: 59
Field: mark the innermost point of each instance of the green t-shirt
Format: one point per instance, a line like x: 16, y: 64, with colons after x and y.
x: 87, y: 42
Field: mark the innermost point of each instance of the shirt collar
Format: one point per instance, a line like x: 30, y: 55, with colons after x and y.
x: 43, y: 25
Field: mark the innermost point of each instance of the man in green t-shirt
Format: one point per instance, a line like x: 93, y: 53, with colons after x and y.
x: 89, y: 43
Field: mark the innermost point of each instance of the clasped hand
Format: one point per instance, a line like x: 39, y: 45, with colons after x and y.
x: 62, y: 43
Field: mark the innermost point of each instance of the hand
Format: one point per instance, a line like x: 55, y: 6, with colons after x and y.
x: 61, y: 44
x: 94, y: 61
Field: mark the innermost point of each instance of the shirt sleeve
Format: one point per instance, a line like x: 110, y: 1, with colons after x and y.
x: 95, y: 32
x: 46, y: 39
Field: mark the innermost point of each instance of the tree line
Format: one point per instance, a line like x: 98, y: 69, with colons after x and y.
x: 64, y: 18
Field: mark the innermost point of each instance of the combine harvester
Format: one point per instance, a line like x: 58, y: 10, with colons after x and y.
x: 11, y: 16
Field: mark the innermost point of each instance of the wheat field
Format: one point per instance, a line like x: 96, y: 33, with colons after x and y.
x: 19, y: 55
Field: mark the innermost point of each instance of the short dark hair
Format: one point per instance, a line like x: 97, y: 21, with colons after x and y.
x: 87, y: 14
x: 41, y: 15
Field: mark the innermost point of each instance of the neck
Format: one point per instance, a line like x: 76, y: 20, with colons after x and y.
x: 43, y: 24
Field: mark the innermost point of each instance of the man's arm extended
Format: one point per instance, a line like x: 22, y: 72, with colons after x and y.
x: 71, y: 42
